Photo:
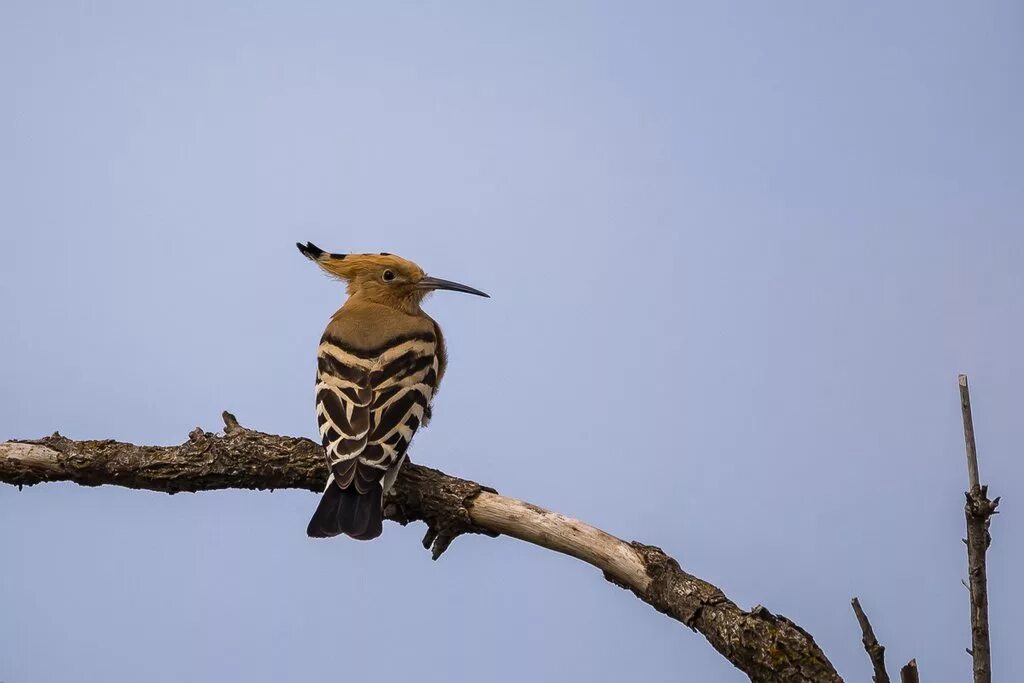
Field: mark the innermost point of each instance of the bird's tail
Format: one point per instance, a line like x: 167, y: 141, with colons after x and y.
x: 346, y: 511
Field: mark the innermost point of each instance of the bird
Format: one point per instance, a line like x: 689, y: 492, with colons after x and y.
x: 379, y: 364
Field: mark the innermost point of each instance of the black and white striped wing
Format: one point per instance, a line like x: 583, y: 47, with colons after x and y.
x: 369, y: 406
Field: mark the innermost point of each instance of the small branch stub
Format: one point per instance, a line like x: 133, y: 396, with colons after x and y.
x: 908, y: 674
x: 230, y: 423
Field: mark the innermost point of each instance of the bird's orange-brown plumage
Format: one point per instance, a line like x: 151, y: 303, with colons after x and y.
x: 379, y: 364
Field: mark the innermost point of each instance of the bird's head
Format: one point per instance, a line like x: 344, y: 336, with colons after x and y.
x: 382, y: 278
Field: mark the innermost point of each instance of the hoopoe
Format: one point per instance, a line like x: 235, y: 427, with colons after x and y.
x: 379, y: 364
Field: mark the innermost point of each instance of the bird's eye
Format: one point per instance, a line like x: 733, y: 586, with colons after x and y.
x: 388, y: 275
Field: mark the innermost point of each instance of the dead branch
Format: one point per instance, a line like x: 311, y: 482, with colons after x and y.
x: 875, y: 650
x: 767, y: 647
x: 978, y: 510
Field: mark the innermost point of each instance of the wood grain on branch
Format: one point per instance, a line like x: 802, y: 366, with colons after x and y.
x: 767, y: 647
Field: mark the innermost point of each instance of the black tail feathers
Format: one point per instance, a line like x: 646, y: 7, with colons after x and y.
x: 346, y: 511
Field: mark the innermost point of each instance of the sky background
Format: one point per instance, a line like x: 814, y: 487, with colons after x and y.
x: 738, y: 253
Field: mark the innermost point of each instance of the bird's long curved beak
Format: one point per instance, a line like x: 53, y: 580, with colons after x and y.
x: 433, y: 283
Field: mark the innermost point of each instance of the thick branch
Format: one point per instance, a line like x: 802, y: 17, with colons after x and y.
x: 765, y: 646
x: 875, y: 650
x: 978, y: 510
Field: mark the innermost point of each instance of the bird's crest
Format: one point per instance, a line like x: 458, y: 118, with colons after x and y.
x: 350, y: 267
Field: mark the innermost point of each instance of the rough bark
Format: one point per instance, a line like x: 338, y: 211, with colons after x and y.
x: 978, y: 510
x: 767, y: 647
x: 875, y: 650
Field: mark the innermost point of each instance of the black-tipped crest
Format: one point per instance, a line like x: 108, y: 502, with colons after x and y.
x: 315, y: 253
x: 310, y: 250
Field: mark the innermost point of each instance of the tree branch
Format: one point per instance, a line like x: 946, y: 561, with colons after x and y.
x: 769, y: 648
x: 978, y: 510
x: 875, y: 650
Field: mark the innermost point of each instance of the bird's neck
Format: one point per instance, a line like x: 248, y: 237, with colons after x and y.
x: 406, y: 305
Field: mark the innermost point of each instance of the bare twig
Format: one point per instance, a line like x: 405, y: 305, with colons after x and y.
x: 875, y: 650
x: 978, y: 510
x: 767, y: 647
x: 972, y: 448
x: 908, y: 674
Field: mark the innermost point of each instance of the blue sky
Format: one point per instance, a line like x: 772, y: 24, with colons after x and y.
x: 737, y: 253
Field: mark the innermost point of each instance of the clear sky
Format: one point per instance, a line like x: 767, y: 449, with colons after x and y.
x: 738, y: 253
